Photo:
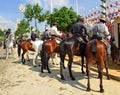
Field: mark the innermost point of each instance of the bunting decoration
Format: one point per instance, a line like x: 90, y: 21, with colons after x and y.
x: 109, y: 9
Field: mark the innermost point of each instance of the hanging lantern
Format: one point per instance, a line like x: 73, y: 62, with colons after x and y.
x: 94, y: 13
x: 98, y: 11
x: 117, y: 3
x: 107, y: 7
x: 111, y: 5
x: 119, y: 10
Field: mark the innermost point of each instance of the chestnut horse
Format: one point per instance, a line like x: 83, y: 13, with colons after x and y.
x: 96, y: 50
x: 48, y: 48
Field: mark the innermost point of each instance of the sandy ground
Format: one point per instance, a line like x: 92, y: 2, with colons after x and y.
x: 19, y: 79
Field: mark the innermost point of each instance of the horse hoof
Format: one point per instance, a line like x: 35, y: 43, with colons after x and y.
x: 34, y: 66
x: 41, y: 71
x: 49, y: 72
x: 62, y: 78
x: 101, y: 90
x: 88, y: 89
x: 73, y: 78
x: 64, y: 67
x: 108, y: 77
x: 83, y: 72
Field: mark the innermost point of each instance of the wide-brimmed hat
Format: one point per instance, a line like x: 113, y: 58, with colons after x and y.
x: 55, y: 23
x: 80, y: 18
x: 102, y: 17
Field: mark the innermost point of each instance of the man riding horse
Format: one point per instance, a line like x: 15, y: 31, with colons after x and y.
x: 6, y: 36
x: 78, y: 30
x: 55, y: 32
x: 100, y: 32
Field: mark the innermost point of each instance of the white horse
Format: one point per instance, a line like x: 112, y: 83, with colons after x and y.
x: 37, y: 45
x: 9, y: 45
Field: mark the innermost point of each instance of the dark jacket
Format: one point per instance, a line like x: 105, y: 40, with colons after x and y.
x: 33, y: 36
x: 46, y: 35
x: 78, y: 29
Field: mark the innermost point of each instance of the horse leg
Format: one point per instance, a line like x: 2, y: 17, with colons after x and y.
x: 82, y: 60
x: 61, y: 65
x: 34, y: 59
x: 7, y: 53
x: 100, y: 68
x: 106, y: 67
x: 23, y: 59
x: 27, y: 56
x: 88, y: 74
x: 70, y: 65
x: 48, y: 65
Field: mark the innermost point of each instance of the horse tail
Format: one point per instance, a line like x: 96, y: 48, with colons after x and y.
x: 19, y: 50
x: 44, y: 57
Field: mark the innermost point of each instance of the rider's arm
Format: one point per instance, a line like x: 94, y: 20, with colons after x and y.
x: 57, y: 32
x: 106, y: 31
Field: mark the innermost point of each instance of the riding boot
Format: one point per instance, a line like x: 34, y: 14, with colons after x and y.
x: 61, y: 47
x: 4, y: 45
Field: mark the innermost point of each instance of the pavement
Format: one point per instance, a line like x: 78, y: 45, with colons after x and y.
x: 113, y: 69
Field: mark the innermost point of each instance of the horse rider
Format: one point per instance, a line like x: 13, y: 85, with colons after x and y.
x: 46, y: 35
x: 54, y: 31
x: 100, y: 32
x: 34, y: 36
x: 76, y: 29
x: 79, y: 31
x: 6, y: 36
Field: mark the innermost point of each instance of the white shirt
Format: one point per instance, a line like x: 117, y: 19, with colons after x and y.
x: 54, y: 31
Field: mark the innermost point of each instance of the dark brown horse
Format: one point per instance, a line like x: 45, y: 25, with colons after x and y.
x: 115, y: 53
x: 96, y: 51
x: 49, y: 47
x: 71, y: 46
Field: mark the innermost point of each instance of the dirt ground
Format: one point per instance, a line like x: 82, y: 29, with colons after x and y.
x: 19, y: 79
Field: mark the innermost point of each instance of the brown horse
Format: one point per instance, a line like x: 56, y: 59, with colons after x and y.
x: 49, y: 47
x: 25, y: 46
x: 96, y: 50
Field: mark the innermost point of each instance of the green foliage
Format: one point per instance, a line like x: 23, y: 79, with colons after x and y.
x: 2, y: 32
x: 28, y: 12
x: 65, y: 17
x: 35, y: 12
x: 23, y: 28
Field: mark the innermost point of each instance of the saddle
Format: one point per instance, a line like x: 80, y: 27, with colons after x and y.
x: 94, y: 45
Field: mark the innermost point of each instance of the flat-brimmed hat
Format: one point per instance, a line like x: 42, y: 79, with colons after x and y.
x: 80, y: 18
x: 55, y: 23
x: 102, y: 17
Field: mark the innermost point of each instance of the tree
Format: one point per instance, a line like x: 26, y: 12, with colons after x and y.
x: 23, y: 28
x: 35, y: 12
x: 65, y: 17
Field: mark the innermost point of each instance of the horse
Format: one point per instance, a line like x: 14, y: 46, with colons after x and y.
x: 9, y: 44
x: 72, y: 46
x: 115, y: 53
x: 25, y: 45
x: 48, y: 48
x: 96, y: 51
